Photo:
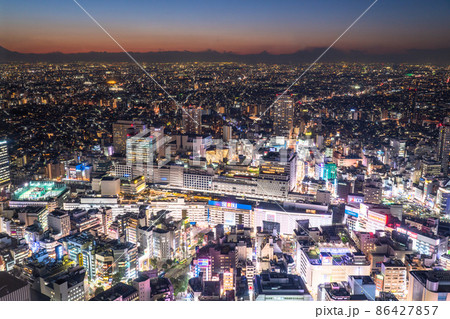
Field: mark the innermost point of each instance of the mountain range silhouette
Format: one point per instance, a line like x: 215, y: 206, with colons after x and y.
x: 433, y: 56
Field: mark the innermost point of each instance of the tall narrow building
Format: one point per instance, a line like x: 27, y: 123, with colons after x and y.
x: 192, y: 120
x: 5, y: 175
x: 283, y: 116
x: 443, y: 152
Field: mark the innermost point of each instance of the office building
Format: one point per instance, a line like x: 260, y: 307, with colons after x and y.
x: 394, y: 278
x: 5, y: 175
x: 229, y: 213
x: 123, y: 130
x: 81, y: 249
x: 443, y: 151
x: 133, y: 186
x: 65, y: 286
x: 430, y: 168
x: 283, y: 115
x: 142, y: 285
x: 59, y: 223
x: 280, y: 165
x: 141, y: 152
x: 163, y: 244
x: 372, y: 192
x: 423, y: 242
x: 321, y: 264
x: 192, y: 120
x: 55, y: 170
x: 442, y: 202
x: 398, y: 147
x: 31, y: 214
x: 197, y: 179
x: 110, y: 186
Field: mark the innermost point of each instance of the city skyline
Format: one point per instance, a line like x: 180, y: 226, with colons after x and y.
x: 239, y: 151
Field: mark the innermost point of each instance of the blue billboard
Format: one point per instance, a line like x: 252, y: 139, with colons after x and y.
x: 351, y: 213
x: 59, y: 252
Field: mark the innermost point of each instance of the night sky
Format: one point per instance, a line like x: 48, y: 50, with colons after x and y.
x: 242, y: 26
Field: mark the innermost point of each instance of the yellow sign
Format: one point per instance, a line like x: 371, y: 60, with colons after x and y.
x: 80, y: 259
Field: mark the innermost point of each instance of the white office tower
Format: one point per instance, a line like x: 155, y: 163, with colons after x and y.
x: 141, y: 150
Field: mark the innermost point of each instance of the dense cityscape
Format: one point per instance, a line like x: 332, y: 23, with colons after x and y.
x: 214, y: 183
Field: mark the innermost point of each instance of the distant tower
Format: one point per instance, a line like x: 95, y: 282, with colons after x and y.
x: 283, y: 116
x: 192, y: 120
x: 5, y: 175
x: 443, y: 151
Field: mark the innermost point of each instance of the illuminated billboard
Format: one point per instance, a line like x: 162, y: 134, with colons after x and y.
x: 203, y: 262
x: 59, y: 252
x: 355, y: 199
x: 407, y: 232
x: 80, y: 259
x: 377, y: 217
x: 351, y: 213
x: 229, y: 205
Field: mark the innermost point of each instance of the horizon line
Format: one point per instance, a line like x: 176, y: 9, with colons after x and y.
x: 365, y: 51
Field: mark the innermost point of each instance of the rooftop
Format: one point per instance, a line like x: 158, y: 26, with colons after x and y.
x: 9, y: 283
x: 39, y: 191
x: 440, y: 276
x: 273, y: 283
x: 119, y: 290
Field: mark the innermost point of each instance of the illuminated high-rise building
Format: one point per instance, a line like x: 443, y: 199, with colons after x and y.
x: 283, y: 116
x: 280, y: 165
x: 192, y: 120
x: 5, y: 176
x: 123, y: 130
x: 443, y: 151
x: 141, y: 150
